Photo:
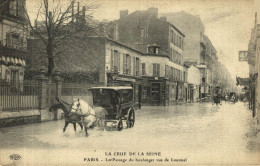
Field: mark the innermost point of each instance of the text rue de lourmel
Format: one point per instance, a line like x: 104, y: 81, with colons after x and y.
x: 148, y: 157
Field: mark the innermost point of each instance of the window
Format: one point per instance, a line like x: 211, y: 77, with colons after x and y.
x: 143, y: 69
x: 170, y: 54
x: 124, y: 63
x: 171, y: 36
x: 156, y: 70
x: 177, y: 41
x: 142, y: 32
x: 167, y: 75
x: 184, y: 76
x: 128, y: 64
x: 14, y: 75
x: 174, y: 74
x: 171, y: 72
x: 174, y: 36
x: 116, y: 61
x: 173, y: 56
x: 14, y: 40
x: 179, y: 44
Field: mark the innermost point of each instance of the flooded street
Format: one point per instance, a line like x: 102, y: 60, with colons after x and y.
x: 199, y: 132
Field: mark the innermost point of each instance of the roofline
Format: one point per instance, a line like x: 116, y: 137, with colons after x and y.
x: 176, y: 29
x: 118, y: 43
x: 172, y: 26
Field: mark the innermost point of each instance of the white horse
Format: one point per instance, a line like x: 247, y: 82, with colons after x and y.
x: 91, y: 115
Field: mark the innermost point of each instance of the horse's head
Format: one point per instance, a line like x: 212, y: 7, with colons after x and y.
x: 81, y: 107
x: 75, y: 106
x: 55, y: 104
x: 59, y: 104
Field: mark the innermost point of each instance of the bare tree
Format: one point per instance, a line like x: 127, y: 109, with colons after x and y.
x: 57, y: 23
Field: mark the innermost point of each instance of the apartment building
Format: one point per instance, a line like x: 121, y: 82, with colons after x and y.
x: 13, y: 42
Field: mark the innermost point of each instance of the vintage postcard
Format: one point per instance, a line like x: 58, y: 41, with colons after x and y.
x: 129, y: 82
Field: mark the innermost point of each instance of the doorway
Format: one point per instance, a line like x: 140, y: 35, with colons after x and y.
x: 156, y: 92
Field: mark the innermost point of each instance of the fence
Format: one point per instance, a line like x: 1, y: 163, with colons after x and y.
x: 31, y: 94
x: 76, y: 90
x: 17, y: 95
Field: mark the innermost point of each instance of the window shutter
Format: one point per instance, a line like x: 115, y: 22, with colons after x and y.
x: 166, y: 71
x: 112, y: 60
x: 130, y: 65
x: 134, y: 66
x: 8, y: 39
x: 158, y: 71
x: 119, y: 64
x: 124, y: 62
x: 154, y: 69
x: 115, y: 58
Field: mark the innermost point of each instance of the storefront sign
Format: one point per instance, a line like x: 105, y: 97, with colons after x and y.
x: 125, y: 79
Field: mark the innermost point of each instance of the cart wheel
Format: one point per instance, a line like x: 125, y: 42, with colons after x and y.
x: 120, y: 125
x: 130, y: 118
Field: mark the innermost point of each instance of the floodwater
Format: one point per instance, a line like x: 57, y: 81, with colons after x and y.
x: 197, y: 133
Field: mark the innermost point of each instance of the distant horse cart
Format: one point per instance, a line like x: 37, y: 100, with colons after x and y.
x: 111, y: 106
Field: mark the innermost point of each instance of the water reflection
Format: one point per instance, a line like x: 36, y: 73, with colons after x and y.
x: 224, y: 133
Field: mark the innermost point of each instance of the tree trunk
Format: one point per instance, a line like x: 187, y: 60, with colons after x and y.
x: 50, y: 60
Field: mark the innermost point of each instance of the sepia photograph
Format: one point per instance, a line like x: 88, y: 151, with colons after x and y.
x: 129, y: 82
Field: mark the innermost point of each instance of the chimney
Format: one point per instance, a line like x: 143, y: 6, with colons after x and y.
x: 116, y: 34
x: 84, y: 12
x: 102, y: 29
x: 123, y: 13
x: 163, y: 18
x: 153, y: 11
x: 72, y: 10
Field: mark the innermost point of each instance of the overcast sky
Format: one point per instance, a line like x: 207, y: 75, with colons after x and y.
x: 227, y: 23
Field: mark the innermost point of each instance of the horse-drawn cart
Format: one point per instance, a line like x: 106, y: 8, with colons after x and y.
x: 119, y: 104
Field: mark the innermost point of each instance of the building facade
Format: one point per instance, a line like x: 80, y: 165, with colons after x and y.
x: 200, y: 51
x: 159, y: 41
x: 254, y: 69
x: 194, y: 82
x: 13, y: 44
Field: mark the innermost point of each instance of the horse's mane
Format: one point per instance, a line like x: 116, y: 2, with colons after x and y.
x: 66, y: 105
x: 83, y: 103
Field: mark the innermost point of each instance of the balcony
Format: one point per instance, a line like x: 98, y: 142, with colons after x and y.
x: 9, y: 51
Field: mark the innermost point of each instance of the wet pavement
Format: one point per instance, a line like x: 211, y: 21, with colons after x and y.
x: 199, y: 132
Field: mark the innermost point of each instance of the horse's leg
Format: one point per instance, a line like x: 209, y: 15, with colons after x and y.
x: 65, y: 126
x: 74, y: 125
x: 86, y: 130
x: 81, y: 126
x: 102, y: 124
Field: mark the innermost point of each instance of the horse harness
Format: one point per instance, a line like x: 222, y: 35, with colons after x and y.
x: 79, y: 108
x: 85, y: 115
